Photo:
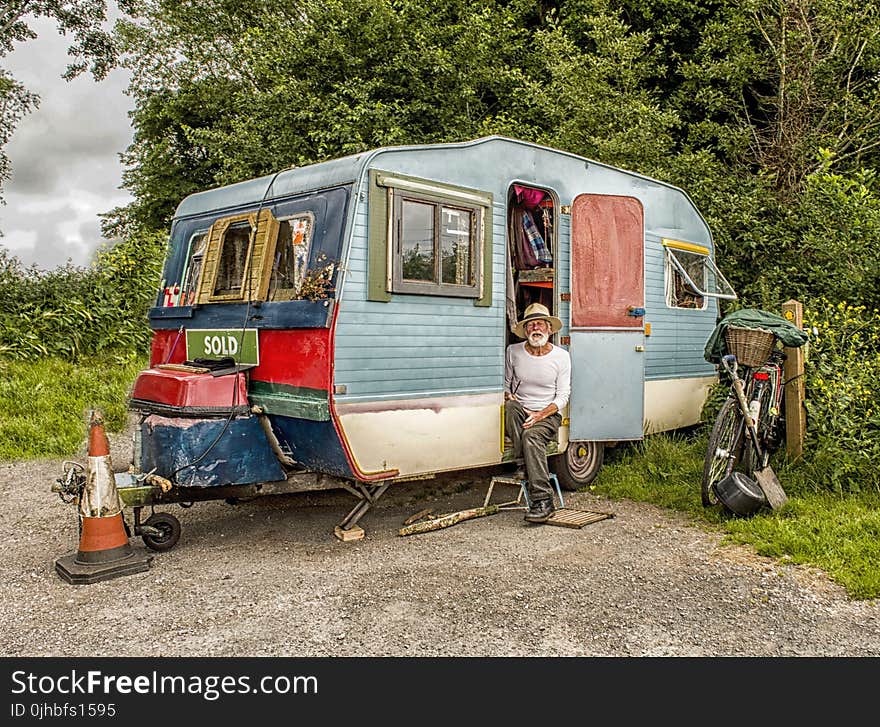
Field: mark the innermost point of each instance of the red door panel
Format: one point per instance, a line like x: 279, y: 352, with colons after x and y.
x: 607, y: 261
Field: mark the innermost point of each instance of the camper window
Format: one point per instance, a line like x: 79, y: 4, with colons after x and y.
x: 238, y: 259
x: 234, y: 251
x: 291, y: 257
x: 429, y: 238
x: 192, y: 272
x: 434, y: 245
x: 691, y: 276
x: 680, y: 293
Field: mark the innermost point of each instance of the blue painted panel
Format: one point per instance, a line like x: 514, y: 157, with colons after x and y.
x: 241, y: 456
x: 313, y: 444
x: 607, y: 385
x: 328, y: 206
x: 275, y: 314
x: 274, y: 186
x: 417, y: 345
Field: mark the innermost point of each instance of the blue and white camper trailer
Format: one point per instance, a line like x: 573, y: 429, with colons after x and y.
x: 367, y: 302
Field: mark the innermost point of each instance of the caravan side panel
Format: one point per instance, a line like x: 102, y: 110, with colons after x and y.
x: 422, y: 375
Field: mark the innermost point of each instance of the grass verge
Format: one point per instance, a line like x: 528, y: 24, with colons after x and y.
x: 44, y: 404
x: 839, y: 533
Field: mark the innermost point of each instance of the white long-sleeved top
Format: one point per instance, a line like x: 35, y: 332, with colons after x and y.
x: 538, y: 381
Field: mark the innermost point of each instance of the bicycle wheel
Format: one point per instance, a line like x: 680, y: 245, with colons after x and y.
x: 723, y: 451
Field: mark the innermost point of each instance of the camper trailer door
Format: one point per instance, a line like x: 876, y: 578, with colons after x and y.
x: 606, y: 322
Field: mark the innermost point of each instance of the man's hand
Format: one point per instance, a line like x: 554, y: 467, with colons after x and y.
x: 532, y: 419
x: 535, y: 416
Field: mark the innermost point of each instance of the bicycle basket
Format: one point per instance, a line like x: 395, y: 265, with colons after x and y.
x: 751, y: 346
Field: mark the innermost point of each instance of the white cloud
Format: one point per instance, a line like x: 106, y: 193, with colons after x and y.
x: 65, y: 156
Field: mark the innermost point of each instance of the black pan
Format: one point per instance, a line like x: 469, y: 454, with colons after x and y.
x: 740, y: 494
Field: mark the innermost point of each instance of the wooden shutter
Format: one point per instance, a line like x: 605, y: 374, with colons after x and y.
x: 258, y: 265
x: 262, y: 256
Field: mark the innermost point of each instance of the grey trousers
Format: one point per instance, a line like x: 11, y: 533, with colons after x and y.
x: 531, y: 445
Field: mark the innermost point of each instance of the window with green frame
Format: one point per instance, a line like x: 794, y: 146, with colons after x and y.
x: 429, y: 238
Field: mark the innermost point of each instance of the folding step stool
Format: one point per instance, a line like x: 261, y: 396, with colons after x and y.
x: 522, y: 496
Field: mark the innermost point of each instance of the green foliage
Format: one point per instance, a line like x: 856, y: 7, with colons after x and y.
x: 44, y: 404
x: 664, y: 469
x: 764, y: 113
x: 235, y: 91
x: 72, y: 312
x: 840, y: 535
x: 842, y: 445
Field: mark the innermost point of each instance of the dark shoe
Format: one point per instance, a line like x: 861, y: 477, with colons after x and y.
x: 540, y: 511
x: 519, y: 474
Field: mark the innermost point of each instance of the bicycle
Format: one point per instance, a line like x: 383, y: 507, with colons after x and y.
x: 734, y: 444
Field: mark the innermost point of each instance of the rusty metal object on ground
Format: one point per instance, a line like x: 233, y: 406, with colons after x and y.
x: 161, y: 482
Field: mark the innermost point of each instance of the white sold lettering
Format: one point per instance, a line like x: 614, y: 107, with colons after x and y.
x: 217, y: 345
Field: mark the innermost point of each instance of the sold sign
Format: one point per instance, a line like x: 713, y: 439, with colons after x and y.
x: 239, y: 344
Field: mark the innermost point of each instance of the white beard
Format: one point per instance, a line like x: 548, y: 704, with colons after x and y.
x: 538, y: 340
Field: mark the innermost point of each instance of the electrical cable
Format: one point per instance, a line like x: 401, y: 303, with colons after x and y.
x: 174, y: 345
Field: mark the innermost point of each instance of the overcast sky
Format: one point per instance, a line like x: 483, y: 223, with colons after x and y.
x: 65, y: 156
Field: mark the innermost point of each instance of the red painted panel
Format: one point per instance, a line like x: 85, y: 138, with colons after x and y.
x: 178, y: 388
x: 163, y: 343
x: 298, y: 357
x: 295, y: 357
x: 607, y: 260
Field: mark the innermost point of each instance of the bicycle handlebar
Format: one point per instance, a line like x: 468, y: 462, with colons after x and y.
x: 729, y: 362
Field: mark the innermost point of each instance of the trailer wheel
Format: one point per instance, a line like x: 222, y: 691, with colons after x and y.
x: 169, y: 527
x: 579, y: 464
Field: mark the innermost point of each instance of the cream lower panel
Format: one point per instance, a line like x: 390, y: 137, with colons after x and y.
x: 420, y: 436
x: 675, y: 403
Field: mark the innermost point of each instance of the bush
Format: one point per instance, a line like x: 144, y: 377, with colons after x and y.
x: 71, y: 311
x: 842, y: 444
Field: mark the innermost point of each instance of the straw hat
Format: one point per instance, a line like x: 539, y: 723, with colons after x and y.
x: 536, y: 312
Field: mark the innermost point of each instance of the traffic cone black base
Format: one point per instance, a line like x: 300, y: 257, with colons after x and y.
x: 74, y: 571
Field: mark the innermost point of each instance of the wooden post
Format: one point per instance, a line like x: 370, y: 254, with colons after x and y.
x: 795, y: 414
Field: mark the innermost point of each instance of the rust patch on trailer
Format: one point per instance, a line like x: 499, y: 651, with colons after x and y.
x: 435, y: 404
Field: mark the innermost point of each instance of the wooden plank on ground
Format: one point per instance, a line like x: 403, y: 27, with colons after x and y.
x: 570, y: 518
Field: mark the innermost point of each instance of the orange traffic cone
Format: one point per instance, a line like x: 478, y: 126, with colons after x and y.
x: 104, y: 551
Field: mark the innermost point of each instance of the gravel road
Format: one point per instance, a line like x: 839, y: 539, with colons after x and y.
x: 267, y: 577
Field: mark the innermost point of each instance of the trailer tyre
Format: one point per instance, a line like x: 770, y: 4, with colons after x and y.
x: 168, y: 525
x: 579, y: 464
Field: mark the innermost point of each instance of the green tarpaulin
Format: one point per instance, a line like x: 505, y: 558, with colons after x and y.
x: 788, y: 333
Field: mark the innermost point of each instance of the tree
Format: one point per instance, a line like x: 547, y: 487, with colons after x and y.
x: 92, y: 49
x: 228, y: 91
x: 760, y: 109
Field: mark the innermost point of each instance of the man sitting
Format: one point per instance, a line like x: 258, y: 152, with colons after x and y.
x: 537, y: 385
